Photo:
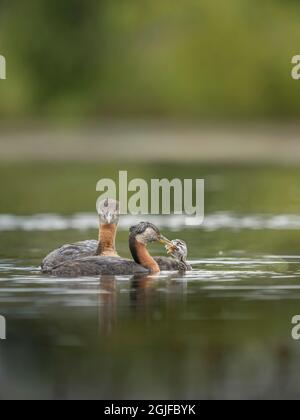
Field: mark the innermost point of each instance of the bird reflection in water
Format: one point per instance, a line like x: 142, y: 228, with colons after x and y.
x: 107, y: 313
x: 143, y: 296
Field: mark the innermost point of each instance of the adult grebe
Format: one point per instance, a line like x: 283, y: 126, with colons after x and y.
x: 109, y: 219
x: 140, y: 236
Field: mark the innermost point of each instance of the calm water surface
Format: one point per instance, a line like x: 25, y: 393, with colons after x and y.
x: 221, y: 331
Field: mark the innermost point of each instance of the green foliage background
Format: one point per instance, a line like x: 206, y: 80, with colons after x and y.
x: 161, y: 58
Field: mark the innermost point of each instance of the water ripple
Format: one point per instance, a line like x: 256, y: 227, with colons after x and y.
x: 213, y: 222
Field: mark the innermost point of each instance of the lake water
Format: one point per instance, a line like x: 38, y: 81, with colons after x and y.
x: 221, y: 331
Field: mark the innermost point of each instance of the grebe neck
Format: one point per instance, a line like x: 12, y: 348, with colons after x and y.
x: 107, y: 240
x: 141, y: 255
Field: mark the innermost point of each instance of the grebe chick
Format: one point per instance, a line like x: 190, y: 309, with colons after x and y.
x: 140, y: 236
x: 178, y: 250
x: 108, y: 223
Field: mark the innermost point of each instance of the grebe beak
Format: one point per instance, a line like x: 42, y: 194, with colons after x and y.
x: 164, y: 241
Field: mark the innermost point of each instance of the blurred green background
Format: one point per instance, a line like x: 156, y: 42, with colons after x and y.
x: 190, y: 89
x: 202, y: 60
x: 124, y: 83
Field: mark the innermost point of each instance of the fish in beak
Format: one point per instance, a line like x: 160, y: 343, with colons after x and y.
x: 164, y: 241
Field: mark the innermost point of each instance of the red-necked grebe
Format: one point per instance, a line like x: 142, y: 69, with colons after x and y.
x: 140, y: 236
x: 105, y: 246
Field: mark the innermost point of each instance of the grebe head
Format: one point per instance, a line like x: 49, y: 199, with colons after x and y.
x: 177, y: 249
x: 109, y: 212
x: 145, y: 233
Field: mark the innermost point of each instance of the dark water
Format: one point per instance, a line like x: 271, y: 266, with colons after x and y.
x: 222, y: 331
